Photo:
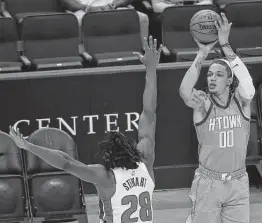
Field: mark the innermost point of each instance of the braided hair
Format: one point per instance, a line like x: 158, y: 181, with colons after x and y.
x: 119, y: 150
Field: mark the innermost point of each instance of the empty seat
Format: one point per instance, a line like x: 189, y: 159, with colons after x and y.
x: 246, y: 32
x: 111, y: 37
x: 9, y: 57
x: 21, y: 8
x: 51, y: 41
x: 13, y: 202
x: 176, y: 37
x: 55, y: 194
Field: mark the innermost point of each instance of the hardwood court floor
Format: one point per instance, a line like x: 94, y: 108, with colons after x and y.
x: 173, y: 206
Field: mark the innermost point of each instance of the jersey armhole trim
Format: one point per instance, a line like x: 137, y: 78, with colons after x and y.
x: 207, y: 115
x: 241, y: 111
x: 146, y: 169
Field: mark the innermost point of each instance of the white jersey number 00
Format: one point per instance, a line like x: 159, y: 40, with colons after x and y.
x: 226, y: 139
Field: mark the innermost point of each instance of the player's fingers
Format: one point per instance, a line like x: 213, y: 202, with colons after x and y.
x: 151, y: 42
x: 145, y: 45
x: 220, y: 22
x: 224, y: 18
x: 197, y: 97
x: 217, y: 25
x: 18, y: 132
x: 202, y: 94
x: 230, y: 24
x: 155, y: 45
x: 13, y: 130
x: 196, y: 100
x: 10, y: 130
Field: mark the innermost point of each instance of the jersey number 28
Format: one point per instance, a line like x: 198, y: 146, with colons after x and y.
x: 145, y: 212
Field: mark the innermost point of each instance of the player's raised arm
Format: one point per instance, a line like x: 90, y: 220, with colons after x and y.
x: 191, y: 97
x: 246, y: 89
x: 61, y: 160
x: 147, y: 121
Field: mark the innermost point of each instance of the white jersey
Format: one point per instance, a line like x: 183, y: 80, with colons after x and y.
x: 132, y: 200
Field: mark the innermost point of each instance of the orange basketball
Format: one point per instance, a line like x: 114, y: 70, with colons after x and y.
x: 202, y: 26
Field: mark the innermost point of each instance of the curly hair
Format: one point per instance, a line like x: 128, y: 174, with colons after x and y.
x: 235, y: 81
x: 119, y: 150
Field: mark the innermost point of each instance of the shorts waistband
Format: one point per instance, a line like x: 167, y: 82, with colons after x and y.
x: 222, y: 176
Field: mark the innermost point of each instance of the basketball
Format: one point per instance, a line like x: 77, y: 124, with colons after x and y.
x: 202, y: 26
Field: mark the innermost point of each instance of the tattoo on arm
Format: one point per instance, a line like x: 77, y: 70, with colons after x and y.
x: 199, y: 62
x: 230, y: 54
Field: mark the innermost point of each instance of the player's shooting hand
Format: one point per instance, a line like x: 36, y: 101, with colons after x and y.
x: 205, y: 48
x: 18, y: 138
x: 152, y: 54
x: 223, y: 28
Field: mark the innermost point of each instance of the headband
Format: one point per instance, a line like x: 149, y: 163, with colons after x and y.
x: 228, y: 66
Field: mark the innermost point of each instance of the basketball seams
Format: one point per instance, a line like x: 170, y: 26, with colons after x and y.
x: 203, y: 18
x: 202, y: 12
x: 202, y: 33
x: 201, y: 23
x: 197, y: 14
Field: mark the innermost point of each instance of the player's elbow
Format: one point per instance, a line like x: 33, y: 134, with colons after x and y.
x: 149, y: 155
x: 183, y: 93
x: 247, y: 90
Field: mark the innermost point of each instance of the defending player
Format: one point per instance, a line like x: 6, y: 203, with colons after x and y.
x: 125, y: 182
x: 220, y: 189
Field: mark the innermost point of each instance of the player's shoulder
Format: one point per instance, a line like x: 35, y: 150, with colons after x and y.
x: 100, y: 170
x: 105, y: 177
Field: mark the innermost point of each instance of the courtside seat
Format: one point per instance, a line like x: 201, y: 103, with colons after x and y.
x: 13, y: 196
x: 55, y: 195
x: 51, y: 41
x: 9, y: 56
x: 19, y: 9
x: 111, y: 37
x: 246, y: 32
x: 178, y: 42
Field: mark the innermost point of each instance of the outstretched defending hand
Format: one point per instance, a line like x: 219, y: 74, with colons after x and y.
x: 152, y: 55
x: 18, y: 138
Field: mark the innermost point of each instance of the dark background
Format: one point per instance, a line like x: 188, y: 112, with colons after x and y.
x: 52, y: 95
